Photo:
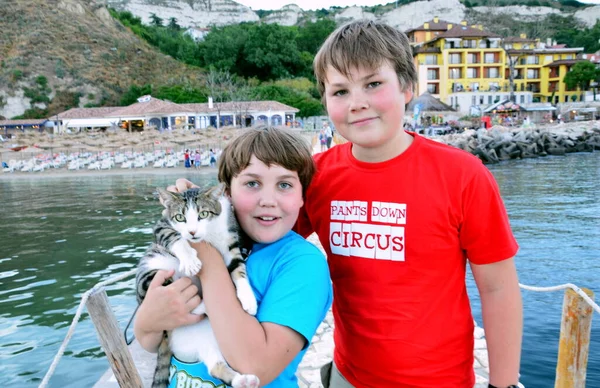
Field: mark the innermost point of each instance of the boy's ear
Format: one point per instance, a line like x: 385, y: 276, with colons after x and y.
x: 165, y: 196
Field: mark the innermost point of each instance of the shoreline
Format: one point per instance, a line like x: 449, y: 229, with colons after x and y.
x: 64, y: 173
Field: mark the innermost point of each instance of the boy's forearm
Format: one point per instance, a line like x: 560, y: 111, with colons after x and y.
x: 237, y: 332
x: 503, y: 323
x: 149, y: 340
x: 242, y: 339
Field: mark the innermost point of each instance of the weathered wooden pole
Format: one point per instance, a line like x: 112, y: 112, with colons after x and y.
x: 573, y: 348
x: 112, y: 341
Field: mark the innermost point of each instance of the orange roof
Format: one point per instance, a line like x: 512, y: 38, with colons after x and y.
x: 150, y: 106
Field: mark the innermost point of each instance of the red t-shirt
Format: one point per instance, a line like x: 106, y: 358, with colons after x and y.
x: 397, y: 236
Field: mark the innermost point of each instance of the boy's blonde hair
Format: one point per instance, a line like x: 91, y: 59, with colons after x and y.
x: 271, y: 146
x: 365, y: 44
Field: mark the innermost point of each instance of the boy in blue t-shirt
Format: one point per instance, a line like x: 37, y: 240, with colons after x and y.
x: 266, y: 172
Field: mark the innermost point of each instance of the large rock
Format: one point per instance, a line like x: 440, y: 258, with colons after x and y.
x: 189, y: 13
x: 414, y: 14
x: 589, y: 15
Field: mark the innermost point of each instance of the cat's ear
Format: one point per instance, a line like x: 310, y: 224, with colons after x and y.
x: 166, y: 196
x: 217, y: 191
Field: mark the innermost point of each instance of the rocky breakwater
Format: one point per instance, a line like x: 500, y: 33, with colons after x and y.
x: 501, y: 143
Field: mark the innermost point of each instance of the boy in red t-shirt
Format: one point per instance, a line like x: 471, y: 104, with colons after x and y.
x: 399, y: 217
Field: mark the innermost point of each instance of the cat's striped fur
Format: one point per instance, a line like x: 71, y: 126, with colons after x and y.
x: 196, y: 215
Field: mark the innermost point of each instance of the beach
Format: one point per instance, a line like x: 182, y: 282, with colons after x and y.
x: 64, y: 173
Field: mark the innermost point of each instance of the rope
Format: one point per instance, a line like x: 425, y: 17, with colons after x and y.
x: 84, y: 299
x: 127, y: 274
x: 562, y: 287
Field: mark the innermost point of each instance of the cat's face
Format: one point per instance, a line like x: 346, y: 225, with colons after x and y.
x: 190, y: 212
x: 266, y: 200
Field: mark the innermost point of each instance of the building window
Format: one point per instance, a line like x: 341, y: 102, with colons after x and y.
x: 530, y: 60
x: 454, y: 58
x: 472, y: 72
x: 481, y: 100
x: 454, y: 73
x: 472, y: 58
x: 469, y: 43
x: 522, y: 99
x: 490, y: 58
x: 432, y: 74
x: 569, y: 56
x: 533, y: 74
x: 493, y: 72
x: 490, y: 99
x: 473, y: 100
x: 431, y: 60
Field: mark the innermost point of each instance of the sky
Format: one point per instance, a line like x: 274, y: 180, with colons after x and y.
x: 318, y: 4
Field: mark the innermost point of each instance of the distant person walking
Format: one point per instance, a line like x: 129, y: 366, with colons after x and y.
x: 328, y: 134
x: 323, y: 140
x: 197, y: 159
x: 186, y: 158
x: 213, y: 158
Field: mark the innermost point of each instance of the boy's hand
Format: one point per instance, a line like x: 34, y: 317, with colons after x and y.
x: 181, y: 185
x: 168, y: 307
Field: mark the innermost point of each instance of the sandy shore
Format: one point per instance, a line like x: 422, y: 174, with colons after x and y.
x: 64, y: 173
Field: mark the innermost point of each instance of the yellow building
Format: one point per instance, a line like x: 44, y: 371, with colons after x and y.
x: 469, y: 68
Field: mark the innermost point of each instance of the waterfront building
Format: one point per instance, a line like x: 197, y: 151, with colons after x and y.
x: 149, y: 112
x: 470, y: 68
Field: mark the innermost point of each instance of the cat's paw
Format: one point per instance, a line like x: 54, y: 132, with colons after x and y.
x: 190, y: 267
x: 245, y: 381
x: 247, y: 299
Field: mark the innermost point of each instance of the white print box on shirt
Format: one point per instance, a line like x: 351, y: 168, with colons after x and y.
x: 357, y: 233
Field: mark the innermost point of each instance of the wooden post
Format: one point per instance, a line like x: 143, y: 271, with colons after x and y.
x: 574, y: 344
x: 112, y: 341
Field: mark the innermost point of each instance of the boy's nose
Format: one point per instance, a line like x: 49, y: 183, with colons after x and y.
x: 358, y: 101
x: 267, y: 200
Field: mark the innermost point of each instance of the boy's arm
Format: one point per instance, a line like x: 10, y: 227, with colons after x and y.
x: 251, y: 347
x: 502, y: 313
x: 165, y: 308
x: 303, y: 226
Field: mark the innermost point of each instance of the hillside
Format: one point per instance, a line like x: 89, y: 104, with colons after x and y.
x: 72, y: 52
x: 57, y: 54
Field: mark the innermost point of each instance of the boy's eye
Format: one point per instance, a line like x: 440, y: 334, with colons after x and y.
x: 340, y: 93
x: 179, y: 218
x: 373, y: 84
x: 252, y: 184
x: 203, y: 214
x: 284, y: 185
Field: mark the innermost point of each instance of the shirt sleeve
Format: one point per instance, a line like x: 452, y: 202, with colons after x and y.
x: 303, y: 226
x: 300, y: 293
x: 485, y: 233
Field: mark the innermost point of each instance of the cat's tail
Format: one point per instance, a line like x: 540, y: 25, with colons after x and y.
x: 163, y: 363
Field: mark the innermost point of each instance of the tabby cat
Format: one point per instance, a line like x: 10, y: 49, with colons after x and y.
x: 196, y: 215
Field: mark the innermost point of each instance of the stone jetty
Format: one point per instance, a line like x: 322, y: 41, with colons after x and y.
x: 503, y: 143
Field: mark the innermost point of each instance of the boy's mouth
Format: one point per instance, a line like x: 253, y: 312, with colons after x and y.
x: 267, y: 218
x: 362, y: 121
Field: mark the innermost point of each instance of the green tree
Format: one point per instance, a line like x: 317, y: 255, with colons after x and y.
x: 307, y: 104
x: 155, y: 20
x: 270, y: 52
x: 135, y: 92
x: 222, y: 47
x: 581, y: 75
x: 312, y: 35
x: 173, y: 24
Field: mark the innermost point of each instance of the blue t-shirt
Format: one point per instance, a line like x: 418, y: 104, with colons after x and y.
x: 290, y: 279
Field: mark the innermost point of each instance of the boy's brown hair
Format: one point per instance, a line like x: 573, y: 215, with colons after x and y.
x: 365, y: 44
x: 271, y: 146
